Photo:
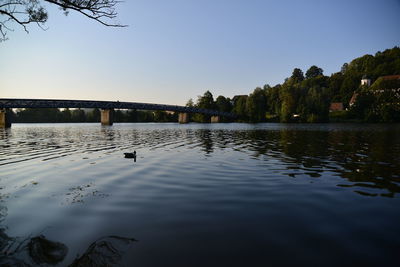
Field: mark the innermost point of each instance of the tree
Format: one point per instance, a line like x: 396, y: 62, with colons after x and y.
x: 288, y: 103
x: 132, y: 115
x: 206, y: 102
x: 256, y: 105
x: 39, y: 115
x: 190, y: 103
x: 160, y: 116
x: 93, y: 116
x: 223, y: 104
x: 317, y: 105
x: 25, y: 12
x: 119, y: 116
x: 273, y: 99
x: 349, y: 85
x: 66, y: 115
x: 334, y: 84
x: 362, y: 108
x: 344, y: 68
x: 313, y: 72
x: 297, y: 75
x: 239, y: 107
x: 78, y: 115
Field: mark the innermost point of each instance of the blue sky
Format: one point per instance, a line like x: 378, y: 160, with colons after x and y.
x: 177, y: 49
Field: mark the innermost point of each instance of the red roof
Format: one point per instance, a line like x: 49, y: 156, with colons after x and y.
x: 391, y: 77
x: 353, y: 99
x: 336, y: 106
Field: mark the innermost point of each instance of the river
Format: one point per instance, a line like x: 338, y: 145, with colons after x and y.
x: 207, y: 194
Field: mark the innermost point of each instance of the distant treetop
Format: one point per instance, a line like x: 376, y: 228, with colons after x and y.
x: 313, y: 72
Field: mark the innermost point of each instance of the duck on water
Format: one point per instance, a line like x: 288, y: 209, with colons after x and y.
x: 130, y: 155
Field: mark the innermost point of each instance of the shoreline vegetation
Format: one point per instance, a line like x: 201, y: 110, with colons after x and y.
x: 365, y: 90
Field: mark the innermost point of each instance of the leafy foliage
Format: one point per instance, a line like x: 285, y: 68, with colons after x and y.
x: 25, y: 12
x: 313, y: 72
x: 307, y: 99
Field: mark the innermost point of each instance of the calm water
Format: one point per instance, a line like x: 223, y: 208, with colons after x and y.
x: 207, y: 195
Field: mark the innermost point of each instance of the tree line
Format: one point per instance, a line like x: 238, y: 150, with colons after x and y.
x: 307, y: 97
x: 55, y: 115
x: 300, y: 98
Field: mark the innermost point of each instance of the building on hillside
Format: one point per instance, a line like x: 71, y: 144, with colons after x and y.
x: 336, y: 106
x: 365, y: 80
x: 384, y: 84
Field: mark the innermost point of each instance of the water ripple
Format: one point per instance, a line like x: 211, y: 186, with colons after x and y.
x: 200, y: 186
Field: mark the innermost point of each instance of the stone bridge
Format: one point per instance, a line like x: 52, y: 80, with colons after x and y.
x: 107, y: 108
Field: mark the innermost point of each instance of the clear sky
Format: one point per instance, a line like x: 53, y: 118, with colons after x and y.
x: 177, y: 49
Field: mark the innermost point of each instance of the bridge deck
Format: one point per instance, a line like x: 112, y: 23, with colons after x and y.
x: 52, y: 103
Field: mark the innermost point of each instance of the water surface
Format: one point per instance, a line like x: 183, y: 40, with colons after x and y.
x: 208, y: 194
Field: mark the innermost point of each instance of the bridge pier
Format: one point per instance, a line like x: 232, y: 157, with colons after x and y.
x: 107, y: 117
x: 183, y: 118
x: 4, y: 119
x: 215, y: 119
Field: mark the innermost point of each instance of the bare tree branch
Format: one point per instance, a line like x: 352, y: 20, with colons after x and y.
x: 25, y: 12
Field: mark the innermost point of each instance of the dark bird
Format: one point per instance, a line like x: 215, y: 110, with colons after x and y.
x: 130, y: 155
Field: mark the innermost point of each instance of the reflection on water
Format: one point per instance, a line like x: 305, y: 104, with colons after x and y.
x: 365, y: 156
x: 192, y: 181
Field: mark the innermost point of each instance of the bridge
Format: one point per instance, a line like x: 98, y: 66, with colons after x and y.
x: 107, y: 108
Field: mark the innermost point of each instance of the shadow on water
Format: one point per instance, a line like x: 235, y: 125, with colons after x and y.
x: 39, y: 251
